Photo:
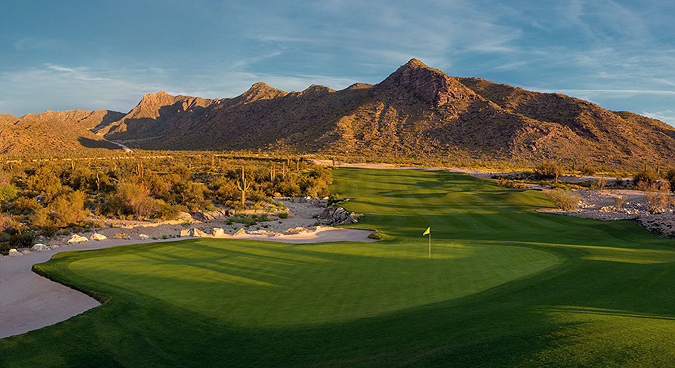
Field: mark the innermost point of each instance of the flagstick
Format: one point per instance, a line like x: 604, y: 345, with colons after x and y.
x: 430, y: 245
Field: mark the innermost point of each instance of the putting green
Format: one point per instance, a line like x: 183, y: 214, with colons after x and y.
x: 263, y: 283
x: 506, y: 286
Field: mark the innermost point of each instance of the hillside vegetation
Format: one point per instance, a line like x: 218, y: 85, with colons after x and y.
x: 47, y: 198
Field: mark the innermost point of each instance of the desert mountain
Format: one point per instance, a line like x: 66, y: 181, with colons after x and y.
x: 54, y: 131
x: 417, y: 111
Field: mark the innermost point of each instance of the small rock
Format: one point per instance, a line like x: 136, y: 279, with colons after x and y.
x: 121, y: 236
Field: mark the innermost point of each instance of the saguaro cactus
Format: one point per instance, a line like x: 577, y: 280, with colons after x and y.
x: 243, y: 186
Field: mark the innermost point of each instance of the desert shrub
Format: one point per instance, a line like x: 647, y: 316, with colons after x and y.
x: 599, y: 183
x: 25, y: 205
x: 157, y: 185
x: 289, y: 188
x: 166, y: 211
x: 7, y: 193
x: 46, y: 182
x: 548, y: 170
x: 647, y: 176
x: 126, y: 197
x: 283, y: 215
x: 145, y: 207
x: 618, y: 202
x: 6, y: 222
x: 22, y: 240
x: 657, y: 202
x: 256, y: 195
x: 510, y: 183
x: 69, y: 209
x: 190, y: 194
x: 242, y: 220
x: 564, y: 199
x: 588, y: 170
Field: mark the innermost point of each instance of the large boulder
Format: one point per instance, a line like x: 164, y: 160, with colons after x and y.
x: 198, y: 233
x: 77, y: 239
x: 185, y: 232
x: 40, y: 248
x: 240, y: 232
x: 98, y: 237
x: 121, y: 236
x: 217, y: 232
x: 143, y: 236
x: 14, y: 253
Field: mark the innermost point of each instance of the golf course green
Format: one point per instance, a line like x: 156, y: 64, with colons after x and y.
x: 505, y: 286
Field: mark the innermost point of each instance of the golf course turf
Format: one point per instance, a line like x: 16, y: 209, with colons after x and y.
x: 505, y: 286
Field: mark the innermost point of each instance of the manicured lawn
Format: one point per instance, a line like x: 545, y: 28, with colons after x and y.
x: 505, y: 287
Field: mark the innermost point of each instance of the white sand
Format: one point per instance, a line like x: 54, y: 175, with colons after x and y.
x: 29, y: 301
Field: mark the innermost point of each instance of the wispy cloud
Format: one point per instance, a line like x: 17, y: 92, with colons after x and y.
x: 602, y: 50
x: 667, y: 116
x: 32, y: 43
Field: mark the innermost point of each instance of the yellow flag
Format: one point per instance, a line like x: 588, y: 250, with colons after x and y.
x: 428, y: 231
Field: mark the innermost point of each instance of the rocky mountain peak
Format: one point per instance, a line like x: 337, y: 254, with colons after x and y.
x: 430, y: 85
x: 261, y: 91
x: 415, y: 63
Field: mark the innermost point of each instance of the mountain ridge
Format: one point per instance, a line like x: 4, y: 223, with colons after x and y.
x: 417, y: 111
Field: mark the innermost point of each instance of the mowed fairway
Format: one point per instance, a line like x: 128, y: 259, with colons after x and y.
x: 506, y: 286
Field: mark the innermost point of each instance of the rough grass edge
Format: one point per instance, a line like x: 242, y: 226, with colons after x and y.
x: 100, y: 297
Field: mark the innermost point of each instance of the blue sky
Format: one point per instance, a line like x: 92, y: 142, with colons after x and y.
x: 61, y: 55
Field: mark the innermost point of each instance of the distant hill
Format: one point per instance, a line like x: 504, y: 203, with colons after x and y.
x: 54, y: 132
x: 417, y: 112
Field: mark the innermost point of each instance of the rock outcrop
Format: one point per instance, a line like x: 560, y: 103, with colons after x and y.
x: 339, y: 216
